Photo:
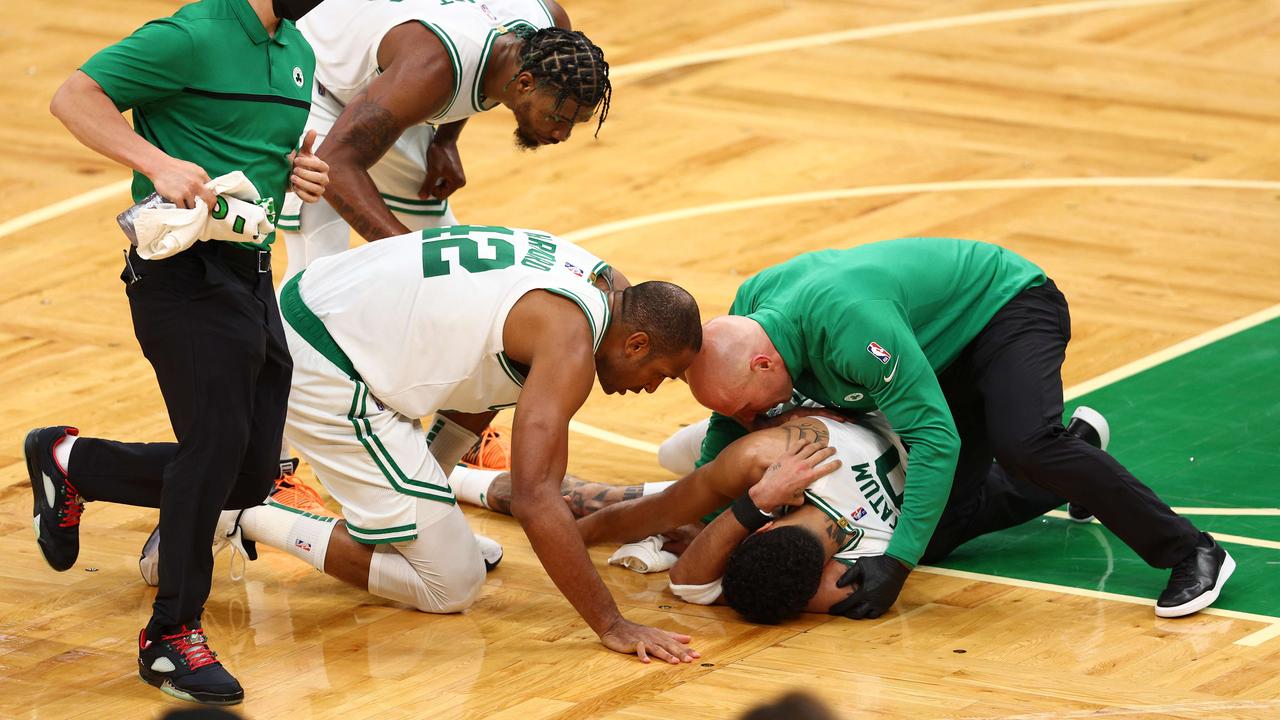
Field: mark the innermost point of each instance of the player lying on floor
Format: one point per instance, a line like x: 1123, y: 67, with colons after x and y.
x: 793, y: 563
x: 849, y: 510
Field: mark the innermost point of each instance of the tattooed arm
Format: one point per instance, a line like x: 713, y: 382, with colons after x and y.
x: 712, y: 486
x: 583, y: 496
x: 800, y: 463
x: 417, y: 81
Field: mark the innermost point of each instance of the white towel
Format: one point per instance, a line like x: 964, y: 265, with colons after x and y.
x: 705, y: 594
x: 645, y: 556
x: 167, y: 230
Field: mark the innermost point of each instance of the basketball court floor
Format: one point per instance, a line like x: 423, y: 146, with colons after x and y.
x: 1129, y: 147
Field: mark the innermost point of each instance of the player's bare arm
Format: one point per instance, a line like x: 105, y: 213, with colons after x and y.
x: 802, y: 456
x: 711, y: 486
x: 445, y: 175
x: 550, y: 336
x: 705, y: 558
x: 84, y: 108
x: 416, y: 82
x: 776, y: 488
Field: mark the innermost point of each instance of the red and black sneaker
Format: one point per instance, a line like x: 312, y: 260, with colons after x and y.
x: 57, y: 502
x: 180, y: 663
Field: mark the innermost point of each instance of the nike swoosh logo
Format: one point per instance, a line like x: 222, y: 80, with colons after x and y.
x: 889, y: 378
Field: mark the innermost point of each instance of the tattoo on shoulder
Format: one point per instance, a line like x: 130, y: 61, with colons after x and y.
x: 800, y: 435
x: 837, y: 534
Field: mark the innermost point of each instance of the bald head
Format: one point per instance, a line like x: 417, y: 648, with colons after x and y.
x: 738, y: 372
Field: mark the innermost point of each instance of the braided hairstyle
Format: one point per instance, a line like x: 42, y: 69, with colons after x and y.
x: 569, y: 62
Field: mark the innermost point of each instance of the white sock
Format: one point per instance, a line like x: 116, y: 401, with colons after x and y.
x: 62, y: 452
x: 653, y: 488
x: 302, y: 535
x: 471, y: 485
x: 449, y: 441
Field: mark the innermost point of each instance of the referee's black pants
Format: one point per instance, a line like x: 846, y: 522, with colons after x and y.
x: 207, y: 321
x: 1005, y: 395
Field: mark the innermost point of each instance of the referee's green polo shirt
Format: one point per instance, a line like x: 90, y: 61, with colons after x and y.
x: 209, y: 86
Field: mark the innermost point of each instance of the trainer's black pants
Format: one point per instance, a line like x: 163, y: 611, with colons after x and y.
x: 207, y: 321
x: 1005, y: 395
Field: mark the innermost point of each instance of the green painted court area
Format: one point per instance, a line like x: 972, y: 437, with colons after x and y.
x: 1203, y: 430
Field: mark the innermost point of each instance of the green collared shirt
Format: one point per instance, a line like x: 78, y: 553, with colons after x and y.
x: 870, y: 328
x: 208, y: 85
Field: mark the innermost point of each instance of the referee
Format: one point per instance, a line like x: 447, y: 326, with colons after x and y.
x: 221, y: 85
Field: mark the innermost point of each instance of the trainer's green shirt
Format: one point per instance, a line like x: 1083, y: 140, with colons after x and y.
x: 871, y: 327
x: 208, y: 85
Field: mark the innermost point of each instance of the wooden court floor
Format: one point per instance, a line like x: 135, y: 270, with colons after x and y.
x: 1132, y: 148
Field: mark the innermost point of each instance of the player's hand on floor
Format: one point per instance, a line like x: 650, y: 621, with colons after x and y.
x: 310, y: 174
x: 879, y: 579
x: 181, y: 182
x: 644, y: 641
x: 783, y: 483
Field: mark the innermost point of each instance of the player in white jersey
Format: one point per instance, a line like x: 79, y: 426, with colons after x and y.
x: 468, y: 318
x: 771, y: 570
x: 395, y: 83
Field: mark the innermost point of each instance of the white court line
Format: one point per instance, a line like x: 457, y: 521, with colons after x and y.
x: 1228, y: 512
x: 916, y: 189
x: 868, y: 33
x: 1261, y: 636
x: 58, y: 209
x: 1271, y: 622
x: 86, y: 199
x: 1236, y: 539
x: 1173, y: 351
x: 612, y: 437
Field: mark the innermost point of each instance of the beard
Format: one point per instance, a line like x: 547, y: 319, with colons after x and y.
x: 525, y: 141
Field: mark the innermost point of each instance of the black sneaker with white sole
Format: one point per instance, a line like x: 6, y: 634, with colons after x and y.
x: 180, y: 663
x: 1090, y: 426
x: 58, y: 505
x: 1196, y: 580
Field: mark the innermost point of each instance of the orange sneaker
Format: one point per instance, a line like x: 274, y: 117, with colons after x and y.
x: 290, y: 491
x: 491, y: 452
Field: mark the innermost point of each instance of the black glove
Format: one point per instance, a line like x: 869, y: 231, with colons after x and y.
x: 879, y: 578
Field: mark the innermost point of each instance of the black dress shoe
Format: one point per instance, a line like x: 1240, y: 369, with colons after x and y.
x: 1196, y: 580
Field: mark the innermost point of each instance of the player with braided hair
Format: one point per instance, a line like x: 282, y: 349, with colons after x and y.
x: 569, y: 64
x: 396, y: 82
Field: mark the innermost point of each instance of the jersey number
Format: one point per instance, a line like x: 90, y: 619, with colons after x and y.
x: 434, y: 263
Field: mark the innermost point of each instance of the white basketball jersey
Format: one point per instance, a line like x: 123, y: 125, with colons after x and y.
x: 346, y: 35
x: 864, y: 496
x: 420, y: 316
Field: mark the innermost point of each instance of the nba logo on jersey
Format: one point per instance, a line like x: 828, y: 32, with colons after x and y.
x: 860, y: 513
x: 880, y: 353
x: 303, y: 545
x: 574, y: 269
